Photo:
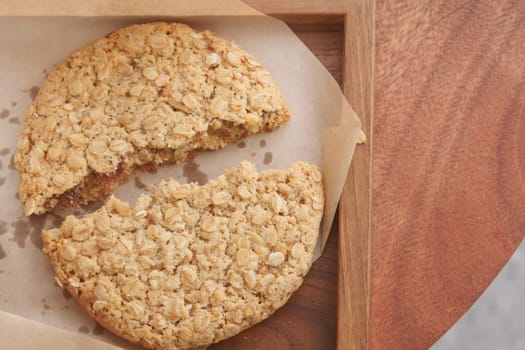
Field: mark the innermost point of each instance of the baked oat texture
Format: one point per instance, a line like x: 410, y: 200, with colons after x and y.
x: 143, y: 95
x: 191, y: 265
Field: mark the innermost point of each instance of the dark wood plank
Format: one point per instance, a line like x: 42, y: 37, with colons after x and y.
x: 448, y: 166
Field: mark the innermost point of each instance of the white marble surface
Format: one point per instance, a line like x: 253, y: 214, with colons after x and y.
x: 497, y: 319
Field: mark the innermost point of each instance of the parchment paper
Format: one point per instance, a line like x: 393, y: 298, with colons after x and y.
x: 323, y: 130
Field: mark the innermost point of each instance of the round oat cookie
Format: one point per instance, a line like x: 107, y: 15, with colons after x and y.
x: 191, y: 265
x: 143, y: 95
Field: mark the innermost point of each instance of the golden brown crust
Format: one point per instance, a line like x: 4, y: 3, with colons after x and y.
x: 143, y: 95
x: 191, y: 265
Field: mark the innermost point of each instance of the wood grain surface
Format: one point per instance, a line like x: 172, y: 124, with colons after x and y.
x: 448, y: 176
x: 354, y: 206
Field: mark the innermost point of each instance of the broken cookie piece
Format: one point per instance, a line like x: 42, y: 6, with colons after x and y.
x: 142, y: 96
x: 191, y: 265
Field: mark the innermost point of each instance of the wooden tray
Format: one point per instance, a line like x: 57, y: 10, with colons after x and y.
x: 331, y: 308
x: 448, y: 170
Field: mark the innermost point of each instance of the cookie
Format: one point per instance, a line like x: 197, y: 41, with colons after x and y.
x: 191, y: 265
x: 142, y: 96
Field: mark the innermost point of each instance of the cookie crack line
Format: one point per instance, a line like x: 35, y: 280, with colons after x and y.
x: 143, y: 96
x: 190, y: 265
